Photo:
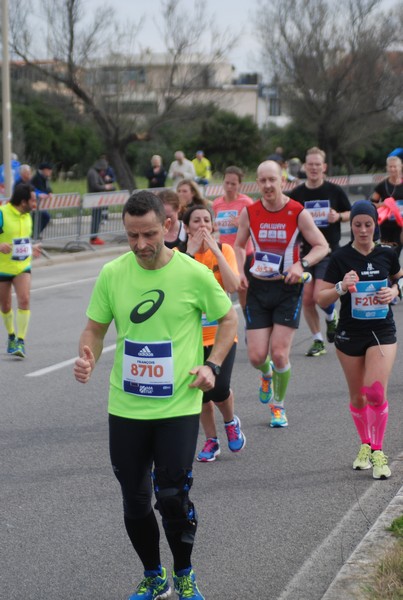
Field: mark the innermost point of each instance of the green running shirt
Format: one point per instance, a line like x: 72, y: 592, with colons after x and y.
x: 157, y: 315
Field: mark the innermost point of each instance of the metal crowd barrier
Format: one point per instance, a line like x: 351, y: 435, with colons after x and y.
x: 71, y: 216
x: 354, y: 184
x: 64, y: 211
x: 69, y: 227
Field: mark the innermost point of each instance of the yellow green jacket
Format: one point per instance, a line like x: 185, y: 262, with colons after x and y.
x: 202, y: 167
x: 15, y: 229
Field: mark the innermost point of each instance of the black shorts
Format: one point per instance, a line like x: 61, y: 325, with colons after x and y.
x: 247, y: 266
x: 354, y: 343
x: 273, y: 302
x: 4, y: 277
x: 221, y: 390
x: 318, y: 271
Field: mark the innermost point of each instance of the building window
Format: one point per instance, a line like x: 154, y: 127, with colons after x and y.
x: 274, y: 107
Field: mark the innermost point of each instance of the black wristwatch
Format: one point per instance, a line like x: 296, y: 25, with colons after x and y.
x: 215, y: 368
x: 304, y: 263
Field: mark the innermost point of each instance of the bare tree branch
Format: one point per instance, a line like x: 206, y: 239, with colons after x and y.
x: 102, y: 73
x: 334, y: 65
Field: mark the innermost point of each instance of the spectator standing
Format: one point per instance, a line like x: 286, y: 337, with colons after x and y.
x: 41, y: 183
x: 181, y: 168
x: 156, y: 173
x: 24, y: 175
x: 15, y: 165
x: 277, y: 155
x: 202, y: 167
x: 110, y: 175
x: 96, y: 183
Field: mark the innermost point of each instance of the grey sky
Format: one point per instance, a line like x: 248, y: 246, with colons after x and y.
x: 237, y: 15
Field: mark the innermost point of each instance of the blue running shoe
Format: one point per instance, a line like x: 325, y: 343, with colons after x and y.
x: 278, y: 416
x: 12, y: 346
x: 154, y: 586
x: 20, y: 349
x: 266, y: 388
x: 236, y: 439
x: 186, y: 586
x: 211, y: 450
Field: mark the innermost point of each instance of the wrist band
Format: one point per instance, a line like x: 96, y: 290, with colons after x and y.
x: 339, y: 288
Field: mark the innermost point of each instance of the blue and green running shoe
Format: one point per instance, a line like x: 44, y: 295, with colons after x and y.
x: 20, y: 349
x: 154, y: 586
x: 12, y: 345
x: 186, y: 586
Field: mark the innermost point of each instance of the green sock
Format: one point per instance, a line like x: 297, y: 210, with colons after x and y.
x: 22, y: 322
x: 280, y: 384
x: 265, y: 368
x: 8, y: 319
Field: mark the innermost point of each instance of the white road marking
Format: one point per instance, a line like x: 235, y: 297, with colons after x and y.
x: 66, y: 283
x: 70, y: 361
x: 61, y: 365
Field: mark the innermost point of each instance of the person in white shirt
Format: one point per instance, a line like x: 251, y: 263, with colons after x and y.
x: 181, y: 168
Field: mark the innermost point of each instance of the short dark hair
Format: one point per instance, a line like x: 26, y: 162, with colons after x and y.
x: 22, y: 191
x: 143, y: 202
x: 188, y: 213
x: 233, y: 170
x: 170, y: 197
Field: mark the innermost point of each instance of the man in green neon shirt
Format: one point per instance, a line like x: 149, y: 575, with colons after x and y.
x: 156, y: 298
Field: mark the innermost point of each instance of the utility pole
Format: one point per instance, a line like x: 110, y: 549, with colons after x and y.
x: 5, y: 90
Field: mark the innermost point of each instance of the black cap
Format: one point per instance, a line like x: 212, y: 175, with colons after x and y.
x: 45, y: 165
x: 365, y: 207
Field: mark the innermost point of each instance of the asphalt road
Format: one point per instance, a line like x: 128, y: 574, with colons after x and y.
x: 276, y: 521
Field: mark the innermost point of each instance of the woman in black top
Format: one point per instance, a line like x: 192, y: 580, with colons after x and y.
x: 366, y: 277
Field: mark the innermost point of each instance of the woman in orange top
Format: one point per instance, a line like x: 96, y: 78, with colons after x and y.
x: 202, y: 246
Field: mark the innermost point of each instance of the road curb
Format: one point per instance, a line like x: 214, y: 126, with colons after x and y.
x: 60, y: 257
x: 359, y: 569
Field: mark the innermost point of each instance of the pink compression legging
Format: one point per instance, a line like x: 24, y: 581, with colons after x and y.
x: 378, y: 411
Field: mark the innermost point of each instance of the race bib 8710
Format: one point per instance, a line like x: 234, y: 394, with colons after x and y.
x: 148, y: 369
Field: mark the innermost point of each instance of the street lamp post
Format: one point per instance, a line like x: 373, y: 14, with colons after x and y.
x: 5, y: 85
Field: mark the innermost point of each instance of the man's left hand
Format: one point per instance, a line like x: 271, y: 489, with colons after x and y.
x: 205, y: 378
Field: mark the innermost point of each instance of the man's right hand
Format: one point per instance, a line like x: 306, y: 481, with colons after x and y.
x: 84, y: 365
x: 5, y: 248
x: 244, y: 283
